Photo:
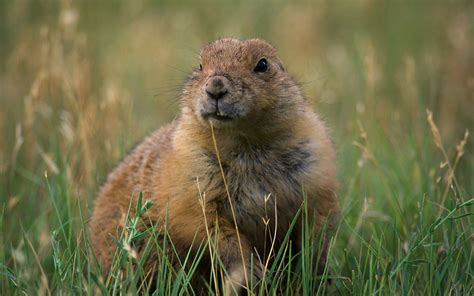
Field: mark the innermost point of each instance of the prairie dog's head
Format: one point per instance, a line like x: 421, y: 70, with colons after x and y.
x: 239, y: 83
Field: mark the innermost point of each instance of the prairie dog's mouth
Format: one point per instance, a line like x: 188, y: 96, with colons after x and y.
x: 221, y: 117
x: 228, y: 109
x: 219, y: 112
x: 217, y: 115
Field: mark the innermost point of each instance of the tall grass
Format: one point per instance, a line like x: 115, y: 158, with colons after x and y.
x: 80, y: 83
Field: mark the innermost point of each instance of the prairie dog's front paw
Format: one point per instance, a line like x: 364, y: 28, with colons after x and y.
x: 235, y: 282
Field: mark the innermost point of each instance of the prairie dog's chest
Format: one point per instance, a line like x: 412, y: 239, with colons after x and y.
x: 260, y: 180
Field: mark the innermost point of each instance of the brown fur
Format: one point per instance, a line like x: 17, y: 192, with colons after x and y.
x: 274, y: 147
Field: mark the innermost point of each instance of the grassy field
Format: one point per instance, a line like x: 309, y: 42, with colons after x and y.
x: 82, y: 82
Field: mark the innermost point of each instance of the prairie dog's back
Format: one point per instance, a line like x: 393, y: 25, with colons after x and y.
x: 133, y: 175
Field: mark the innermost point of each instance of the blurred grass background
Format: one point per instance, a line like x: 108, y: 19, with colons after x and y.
x: 82, y: 82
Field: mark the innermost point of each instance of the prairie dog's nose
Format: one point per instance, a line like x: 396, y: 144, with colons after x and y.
x: 217, y: 86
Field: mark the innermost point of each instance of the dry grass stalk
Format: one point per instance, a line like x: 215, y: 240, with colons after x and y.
x: 231, y: 207
x: 434, y: 130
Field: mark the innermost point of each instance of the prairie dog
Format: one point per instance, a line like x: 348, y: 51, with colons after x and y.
x: 273, y: 151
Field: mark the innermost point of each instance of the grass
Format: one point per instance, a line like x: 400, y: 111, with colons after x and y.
x: 393, y: 81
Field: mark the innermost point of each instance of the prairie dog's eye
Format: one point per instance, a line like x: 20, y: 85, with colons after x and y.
x: 261, y: 66
x: 200, y: 67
